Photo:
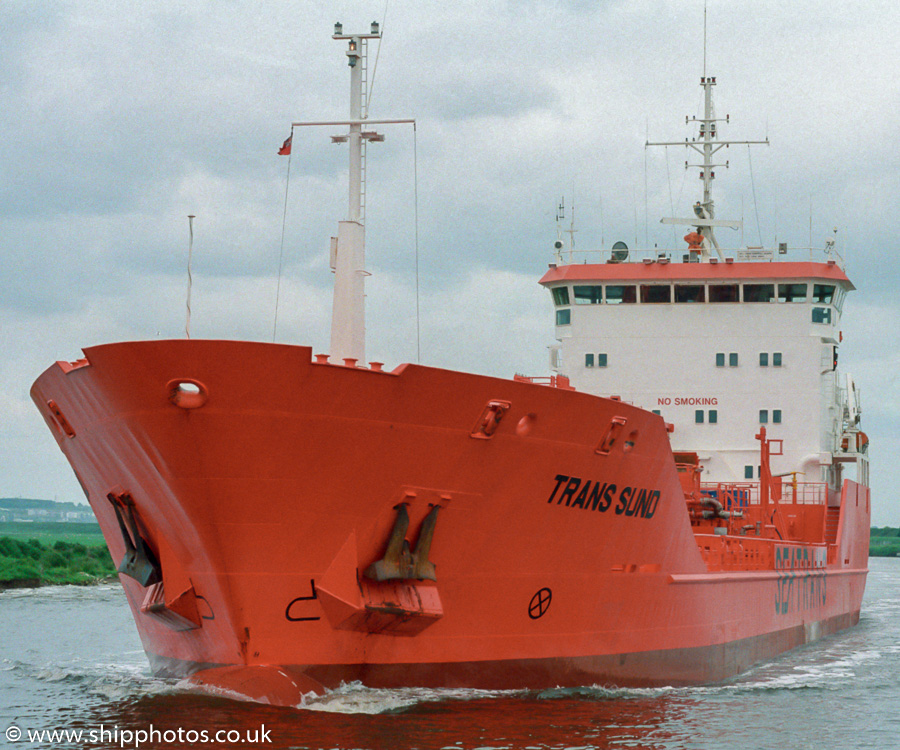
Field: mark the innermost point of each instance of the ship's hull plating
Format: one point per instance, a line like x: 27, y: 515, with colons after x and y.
x: 266, y: 497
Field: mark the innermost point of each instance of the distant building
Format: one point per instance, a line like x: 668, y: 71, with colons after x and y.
x: 27, y: 510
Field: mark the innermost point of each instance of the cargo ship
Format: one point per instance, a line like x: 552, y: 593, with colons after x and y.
x: 683, y: 496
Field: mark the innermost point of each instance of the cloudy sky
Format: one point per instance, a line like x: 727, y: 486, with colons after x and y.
x: 120, y: 119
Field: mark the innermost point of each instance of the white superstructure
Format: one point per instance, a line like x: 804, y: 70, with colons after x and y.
x: 717, y: 342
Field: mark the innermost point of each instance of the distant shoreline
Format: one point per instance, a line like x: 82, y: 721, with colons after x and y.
x: 37, y: 554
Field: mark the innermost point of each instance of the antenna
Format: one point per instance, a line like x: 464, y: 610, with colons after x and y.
x: 571, y: 230
x: 704, y: 38
x: 187, y: 324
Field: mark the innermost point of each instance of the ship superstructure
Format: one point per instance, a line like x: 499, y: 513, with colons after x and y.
x: 717, y: 341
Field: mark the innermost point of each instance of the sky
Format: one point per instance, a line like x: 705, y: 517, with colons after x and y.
x: 120, y: 120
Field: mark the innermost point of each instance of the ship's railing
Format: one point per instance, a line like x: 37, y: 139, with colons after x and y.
x: 736, y: 495
x: 804, y: 493
x: 553, y: 381
x: 683, y: 255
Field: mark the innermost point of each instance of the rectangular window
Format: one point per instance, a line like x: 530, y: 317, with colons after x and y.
x: 823, y: 293
x: 698, y: 416
x: 561, y: 295
x: 763, y: 359
x: 589, y: 359
x: 839, y: 296
x: 776, y: 416
x: 776, y: 359
x: 748, y: 472
x: 588, y: 295
x: 563, y: 317
x: 601, y: 359
x: 713, y: 416
x: 616, y: 295
x: 720, y: 359
x: 821, y: 315
x: 690, y: 293
x: 759, y: 292
x: 763, y: 416
x: 723, y: 293
x: 792, y: 292
x: 651, y: 293
x: 733, y: 359
x: 657, y: 412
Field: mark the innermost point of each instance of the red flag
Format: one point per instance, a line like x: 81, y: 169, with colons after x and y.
x: 285, y: 149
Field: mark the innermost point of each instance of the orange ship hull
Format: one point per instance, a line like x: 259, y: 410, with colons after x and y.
x: 290, y: 524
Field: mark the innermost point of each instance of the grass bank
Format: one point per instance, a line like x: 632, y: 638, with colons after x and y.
x: 32, y: 562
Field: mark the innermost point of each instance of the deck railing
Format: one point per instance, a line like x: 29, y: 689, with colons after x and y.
x: 735, y: 495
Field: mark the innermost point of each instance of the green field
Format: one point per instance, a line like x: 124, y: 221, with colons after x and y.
x: 48, y: 533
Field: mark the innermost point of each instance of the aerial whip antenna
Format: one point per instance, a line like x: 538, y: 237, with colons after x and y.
x: 187, y: 325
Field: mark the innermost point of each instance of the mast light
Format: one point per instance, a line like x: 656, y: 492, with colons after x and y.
x: 352, y: 53
x: 338, y: 28
x: 374, y: 27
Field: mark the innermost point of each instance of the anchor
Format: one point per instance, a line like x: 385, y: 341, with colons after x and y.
x: 139, y: 561
x: 401, y: 563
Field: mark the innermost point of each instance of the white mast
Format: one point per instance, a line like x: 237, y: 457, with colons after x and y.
x: 348, y: 249
x: 348, y: 317
x: 707, y: 144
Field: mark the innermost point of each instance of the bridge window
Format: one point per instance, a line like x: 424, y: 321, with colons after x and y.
x: 561, y: 295
x: 759, y: 292
x: 823, y: 293
x: 720, y: 359
x: 792, y: 292
x: 821, y: 315
x: 723, y: 293
x: 621, y: 294
x: 839, y: 297
x: 698, y: 416
x: 563, y: 317
x: 748, y: 472
x: 588, y: 295
x: 601, y: 359
x: 776, y: 416
x: 763, y: 359
x: 690, y: 293
x: 589, y: 359
x: 776, y: 359
x: 651, y: 293
x: 733, y: 359
x: 713, y: 416
x: 763, y: 416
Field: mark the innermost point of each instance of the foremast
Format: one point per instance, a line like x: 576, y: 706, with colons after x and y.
x: 348, y: 249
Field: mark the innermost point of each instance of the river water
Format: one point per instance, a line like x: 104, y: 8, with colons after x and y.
x: 70, y: 662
